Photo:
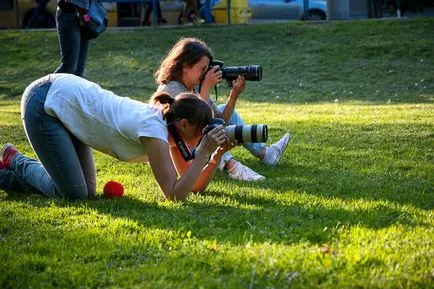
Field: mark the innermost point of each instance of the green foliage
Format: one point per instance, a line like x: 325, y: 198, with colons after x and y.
x: 349, y: 206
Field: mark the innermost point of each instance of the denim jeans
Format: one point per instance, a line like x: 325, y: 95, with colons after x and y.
x: 41, y: 9
x: 9, y: 180
x: 66, y: 166
x: 73, y: 47
x: 206, y: 11
x: 235, y: 119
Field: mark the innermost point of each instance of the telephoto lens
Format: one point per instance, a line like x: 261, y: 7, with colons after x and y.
x: 254, y: 133
x: 251, y: 72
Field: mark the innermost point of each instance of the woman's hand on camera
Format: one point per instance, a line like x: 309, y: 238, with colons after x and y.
x: 213, y: 139
x: 225, y: 147
x: 238, y: 86
x: 228, y: 144
x: 213, y: 76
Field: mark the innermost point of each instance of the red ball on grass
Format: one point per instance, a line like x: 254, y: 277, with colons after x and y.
x: 113, y: 189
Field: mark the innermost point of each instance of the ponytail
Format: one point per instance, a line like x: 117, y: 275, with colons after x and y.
x: 185, y: 106
x: 165, y: 100
x: 162, y: 97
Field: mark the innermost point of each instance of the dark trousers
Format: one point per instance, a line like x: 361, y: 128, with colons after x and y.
x: 41, y: 9
x: 148, y: 10
x: 73, y: 46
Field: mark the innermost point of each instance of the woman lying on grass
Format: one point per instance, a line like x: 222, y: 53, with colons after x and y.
x: 65, y: 117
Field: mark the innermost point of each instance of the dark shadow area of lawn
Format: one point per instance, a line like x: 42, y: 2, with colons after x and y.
x: 344, y: 184
x: 270, y: 221
x: 50, y: 253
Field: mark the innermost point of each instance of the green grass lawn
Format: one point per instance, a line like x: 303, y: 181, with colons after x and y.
x: 349, y: 206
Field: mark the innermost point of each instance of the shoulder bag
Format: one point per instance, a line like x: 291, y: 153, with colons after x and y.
x: 94, y: 22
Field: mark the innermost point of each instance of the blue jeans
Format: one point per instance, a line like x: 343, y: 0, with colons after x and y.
x: 9, y: 180
x: 73, y: 47
x: 41, y: 9
x: 235, y: 119
x: 66, y: 166
x: 206, y: 11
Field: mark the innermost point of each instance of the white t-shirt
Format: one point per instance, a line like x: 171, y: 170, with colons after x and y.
x: 102, y: 120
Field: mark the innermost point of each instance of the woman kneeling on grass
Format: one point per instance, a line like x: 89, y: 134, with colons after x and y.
x: 65, y: 117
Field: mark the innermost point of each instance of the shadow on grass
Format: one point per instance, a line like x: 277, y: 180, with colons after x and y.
x: 264, y: 220
x: 355, y: 165
x: 347, y: 184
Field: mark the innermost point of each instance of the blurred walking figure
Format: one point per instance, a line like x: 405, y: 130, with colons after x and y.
x: 40, y: 10
x: 206, y: 11
x: 190, y: 7
x: 148, y: 9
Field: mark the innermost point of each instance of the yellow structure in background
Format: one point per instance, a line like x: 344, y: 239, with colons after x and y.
x: 240, y: 12
x: 15, y: 13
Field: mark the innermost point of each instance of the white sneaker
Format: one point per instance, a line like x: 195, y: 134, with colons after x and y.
x: 243, y: 173
x: 274, y: 152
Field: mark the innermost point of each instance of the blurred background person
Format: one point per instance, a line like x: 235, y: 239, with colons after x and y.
x: 190, y: 13
x: 206, y: 11
x: 148, y: 8
x: 40, y: 10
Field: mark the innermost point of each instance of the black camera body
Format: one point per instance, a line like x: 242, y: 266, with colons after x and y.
x: 250, y: 72
x: 246, y: 133
x: 213, y: 124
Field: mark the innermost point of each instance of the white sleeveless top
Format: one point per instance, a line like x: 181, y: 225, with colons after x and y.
x: 103, y: 120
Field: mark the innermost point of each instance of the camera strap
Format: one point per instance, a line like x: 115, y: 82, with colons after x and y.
x: 215, y: 88
x: 187, y: 154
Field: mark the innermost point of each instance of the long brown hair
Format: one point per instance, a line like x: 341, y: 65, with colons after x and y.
x: 187, y: 51
x: 185, y: 105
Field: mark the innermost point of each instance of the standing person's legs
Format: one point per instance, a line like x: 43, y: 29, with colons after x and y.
x: 147, y: 13
x: 38, y: 10
x: 84, y: 48
x: 206, y: 11
x: 186, y: 11
x: 159, y: 14
x: 160, y: 18
x: 73, y: 48
x: 45, y: 13
x: 59, y: 172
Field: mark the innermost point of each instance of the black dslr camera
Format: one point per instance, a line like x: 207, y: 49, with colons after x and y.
x: 254, y: 133
x: 251, y: 72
